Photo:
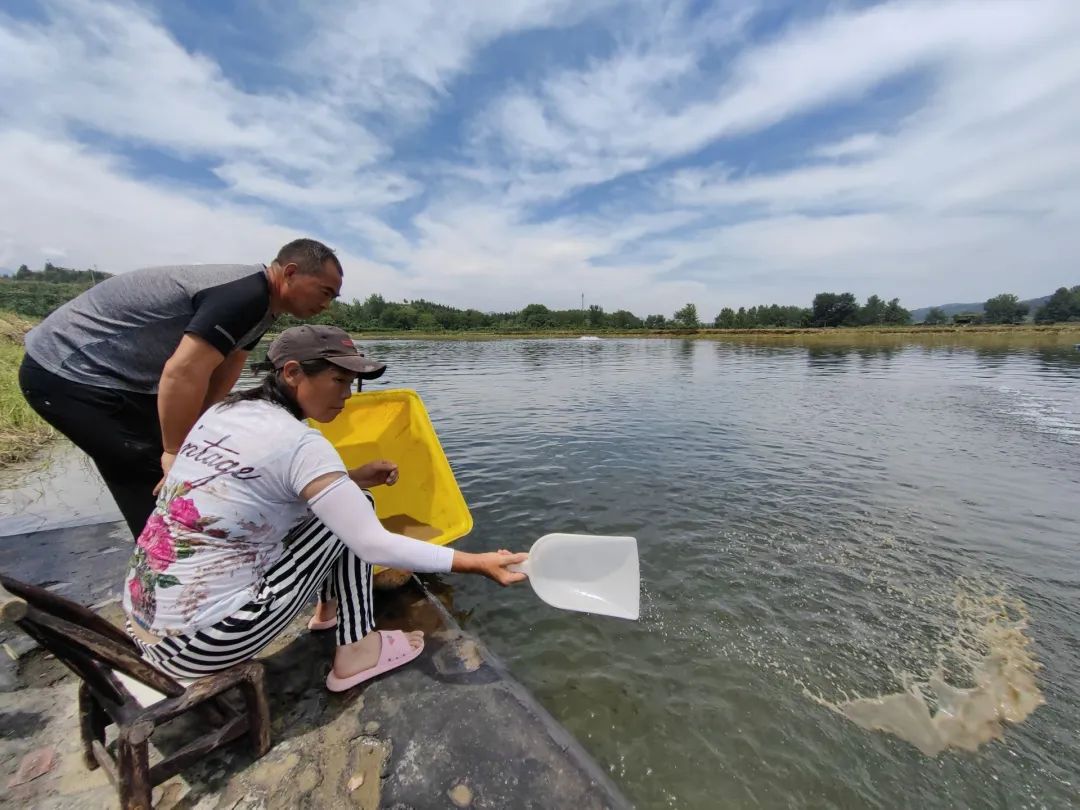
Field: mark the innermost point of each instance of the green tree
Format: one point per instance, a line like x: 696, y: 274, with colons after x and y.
x: 799, y: 316
x: 872, y: 312
x: 37, y: 293
x: 624, y: 319
x: 687, y: 317
x: 426, y: 322
x: 896, y: 315
x: 1062, y: 306
x: 833, y: 309
x: 536, y: 316
x: 1004, y: 308
x: 398, y: 316
x: 475, y: 319
x: 54, y: 274
x: 726, y: 319
x: 372, y: 309
x: 935, y: 317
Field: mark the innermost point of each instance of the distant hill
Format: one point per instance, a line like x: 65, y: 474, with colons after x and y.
x: 919, y: 315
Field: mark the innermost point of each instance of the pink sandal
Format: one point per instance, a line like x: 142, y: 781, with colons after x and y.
x: 315, y: 624
x: 394, y: 652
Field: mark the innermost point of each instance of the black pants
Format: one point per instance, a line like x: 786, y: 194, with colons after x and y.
x: 119, y: 430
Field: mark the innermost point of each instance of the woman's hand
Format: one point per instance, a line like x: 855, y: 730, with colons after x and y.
x: 492, y: 565
x: 375, y: 474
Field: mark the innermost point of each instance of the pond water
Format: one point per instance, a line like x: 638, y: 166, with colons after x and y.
x: 816, y: 527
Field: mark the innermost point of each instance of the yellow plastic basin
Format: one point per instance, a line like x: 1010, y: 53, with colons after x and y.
x: 426, y: 502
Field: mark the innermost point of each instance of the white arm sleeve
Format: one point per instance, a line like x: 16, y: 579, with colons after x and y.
x: 348, y: 514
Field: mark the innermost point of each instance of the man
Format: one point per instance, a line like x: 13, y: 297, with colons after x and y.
x: 127, y: 368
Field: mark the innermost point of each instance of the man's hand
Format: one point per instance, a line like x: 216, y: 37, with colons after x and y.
x: 375, y: 474
x: 167, y: 460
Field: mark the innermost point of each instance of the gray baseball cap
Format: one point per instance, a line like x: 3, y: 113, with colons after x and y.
x: 315, y: 342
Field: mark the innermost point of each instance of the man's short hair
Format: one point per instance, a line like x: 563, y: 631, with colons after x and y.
x: 308, y: 255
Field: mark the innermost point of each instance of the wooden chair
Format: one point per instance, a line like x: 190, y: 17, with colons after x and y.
x: 96, y: 650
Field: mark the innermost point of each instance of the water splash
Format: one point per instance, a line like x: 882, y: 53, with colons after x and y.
x: 993, y: 673
x: 1055, y: 417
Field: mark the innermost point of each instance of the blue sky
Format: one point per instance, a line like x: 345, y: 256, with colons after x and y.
x: 500, y: 154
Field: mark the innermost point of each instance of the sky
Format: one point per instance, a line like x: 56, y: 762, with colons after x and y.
x: 492, y: 155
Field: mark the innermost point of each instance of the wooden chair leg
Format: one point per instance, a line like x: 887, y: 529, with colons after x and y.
x: 133, y: 768
x: 211, y: 713
x: 258, y: 709
x: 92, y: 723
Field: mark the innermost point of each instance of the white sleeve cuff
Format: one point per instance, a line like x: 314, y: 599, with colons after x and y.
x: 348, y: 514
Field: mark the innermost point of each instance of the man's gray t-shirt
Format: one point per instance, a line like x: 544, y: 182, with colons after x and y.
x: 120, y: 333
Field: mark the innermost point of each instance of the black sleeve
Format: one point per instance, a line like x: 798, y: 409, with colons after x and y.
x: 250, y: 345
x: 226, y: 313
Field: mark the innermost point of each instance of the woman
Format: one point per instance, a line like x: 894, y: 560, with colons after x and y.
x: 258, y: 511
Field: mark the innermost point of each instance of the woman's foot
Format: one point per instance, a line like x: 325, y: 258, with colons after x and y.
x: 373, y: 655
x: 325, y: 617
x: 364, y: 654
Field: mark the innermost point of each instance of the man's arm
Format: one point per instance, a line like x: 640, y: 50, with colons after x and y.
x: 224, y: 377
x: 182, y: 391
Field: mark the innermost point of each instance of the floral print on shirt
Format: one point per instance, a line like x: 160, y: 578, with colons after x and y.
x: 166, y: 538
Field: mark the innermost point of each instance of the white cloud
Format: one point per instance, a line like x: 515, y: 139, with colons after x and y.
x: 976, y: 192
x: 587, y: 126
x: 798, y: 256
x: 400, y: 56
x: 854, y: 146
x: 114, y: 69
x: 55, y: 191
x: 364, y: 190
x: 620, y: 110
x: 977, y: 180
x: 967, y: 149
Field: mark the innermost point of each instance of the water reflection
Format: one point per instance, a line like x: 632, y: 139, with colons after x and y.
x: 1064, y: 362
x: 827, y: 360
x: 992, y: 359
x: 537, y: 354
x: 885, y: 353
x: 684, y: 351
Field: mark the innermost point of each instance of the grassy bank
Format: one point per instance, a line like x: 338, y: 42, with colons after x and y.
x: 22, y: 432
x: 990, y: 337
x: 1019, y: 336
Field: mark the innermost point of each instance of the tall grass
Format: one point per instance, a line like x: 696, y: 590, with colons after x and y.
x: 22, y: 432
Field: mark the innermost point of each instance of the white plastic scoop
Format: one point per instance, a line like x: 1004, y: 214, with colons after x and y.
x: 591, y: 573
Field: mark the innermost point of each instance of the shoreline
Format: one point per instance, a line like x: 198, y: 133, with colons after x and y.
x: 23, y: 435
x: 1066, y: 334
x: 454, y: 728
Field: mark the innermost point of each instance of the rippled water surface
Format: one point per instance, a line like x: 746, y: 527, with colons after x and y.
x: 854, y: 560
x: 815, y: 527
